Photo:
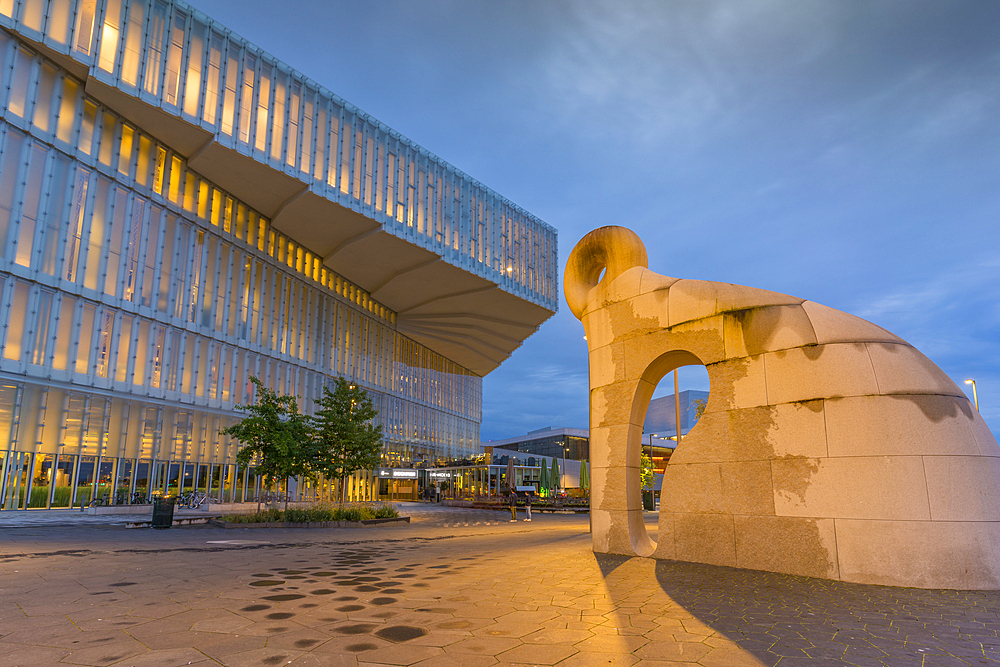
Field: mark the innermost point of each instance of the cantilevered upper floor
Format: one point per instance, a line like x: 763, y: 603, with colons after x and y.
x: 467, y: 273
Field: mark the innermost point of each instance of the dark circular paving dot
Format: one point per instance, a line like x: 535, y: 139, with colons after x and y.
x: 351, y: 607
x: 394, y: 591
x: 284, y: 597
x: 274, y: 659
x: 421, y: 585
x: 279, y: 615
x: 454, y: 625
x: 385, y: 614
x: 365, y: 589
x: 326, y: 591
x: 357, y: 648
x: 324, y: 573
x: 291, y: 572
x: 432, y: 567
x: 405, y: 576
x: 306, y: 643
x: 381, y: 602
x: 123, y: 583
x: 400, y: 633
x: 356, y: 629
x: 256, y: 607
x: 266, y: 574
x: 345, y: 598
x: 308, y: 605
x: 365, y: 578
x: 266, y: 582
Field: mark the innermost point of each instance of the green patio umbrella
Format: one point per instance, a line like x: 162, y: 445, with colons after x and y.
x: 543, y: 478
x: 584, y: 475
x: 554, y: 474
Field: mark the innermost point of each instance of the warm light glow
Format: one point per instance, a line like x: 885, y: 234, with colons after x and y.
x: 970, y: 381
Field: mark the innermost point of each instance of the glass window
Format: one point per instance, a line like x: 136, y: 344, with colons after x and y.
x: 87, y: 135
x: 133, y: 43
x: 141, y: 348
x: 74, y: 240
x: 61, y: 360
x: 263, y: 106
x: 246, y: 99
x: 105, y: 339
x: 192, y: 86
x: 43, y: 326
x: 96, y: 236
x: 175, y: 53
x: 10, y: 172
x: 213, y: 80
x: 43, y: 97
x: 23, y: 66
x: 232, y: 82
x: 59, y: 14
x: 124, y: 345
x: 293, y: 124
x: 155, y: 44
x: 278, y: 127
x: 32, y: 14
x: 85, y: 337
x: 32, y: 199
x: 86, y: 11
x: 15, y: 327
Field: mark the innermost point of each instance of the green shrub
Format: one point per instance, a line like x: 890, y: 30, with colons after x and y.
x: 318, y: 512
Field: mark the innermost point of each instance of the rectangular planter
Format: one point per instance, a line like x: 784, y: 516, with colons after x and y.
x: 368, y: 523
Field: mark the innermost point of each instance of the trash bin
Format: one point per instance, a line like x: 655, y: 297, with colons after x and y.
x: 648, y: 503
x: 163, y: 511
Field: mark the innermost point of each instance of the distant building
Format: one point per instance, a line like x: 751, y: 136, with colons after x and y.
x: 661, y: 417
x: 549, y: 441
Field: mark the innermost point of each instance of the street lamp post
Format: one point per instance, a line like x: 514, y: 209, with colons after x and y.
x: 975, y: 396
x: 562, y: 475
x: 651, y: 436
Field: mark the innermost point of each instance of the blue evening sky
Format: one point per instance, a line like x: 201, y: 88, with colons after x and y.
x: 843, y: 152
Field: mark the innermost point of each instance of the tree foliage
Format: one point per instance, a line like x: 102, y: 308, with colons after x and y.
x: 275, y: 437
x: 346, y: 438
x: 646, y: 469
x: 280, y: 442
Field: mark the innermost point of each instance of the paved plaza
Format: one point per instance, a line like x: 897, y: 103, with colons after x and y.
x: 455, y: 587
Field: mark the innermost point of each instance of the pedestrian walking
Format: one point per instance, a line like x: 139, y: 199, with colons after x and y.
x: 527, y: 506
x: 512, y: 501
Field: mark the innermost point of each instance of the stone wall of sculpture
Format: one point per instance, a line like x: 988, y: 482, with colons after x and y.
x: 829, y: 447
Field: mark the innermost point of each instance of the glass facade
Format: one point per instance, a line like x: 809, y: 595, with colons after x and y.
x: 138, y: 297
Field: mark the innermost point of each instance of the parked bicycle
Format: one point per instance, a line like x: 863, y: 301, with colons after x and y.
x: 99, y: 501
x: 271, y: 497
x: 195, y: 499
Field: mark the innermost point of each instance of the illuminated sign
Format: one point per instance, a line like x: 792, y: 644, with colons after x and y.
x: 439, y: 474
x: 396, y: 473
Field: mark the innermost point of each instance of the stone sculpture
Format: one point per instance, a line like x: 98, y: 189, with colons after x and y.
x: 829, y: 447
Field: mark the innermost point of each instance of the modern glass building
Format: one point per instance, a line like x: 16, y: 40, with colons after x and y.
x: 180, y: 211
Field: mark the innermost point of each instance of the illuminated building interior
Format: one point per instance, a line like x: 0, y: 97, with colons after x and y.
x: 180, y: 211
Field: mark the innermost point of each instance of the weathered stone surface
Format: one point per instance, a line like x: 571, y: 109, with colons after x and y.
x: 829, y: 447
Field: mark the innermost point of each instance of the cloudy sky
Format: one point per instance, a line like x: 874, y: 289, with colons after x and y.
x: 843, y: 152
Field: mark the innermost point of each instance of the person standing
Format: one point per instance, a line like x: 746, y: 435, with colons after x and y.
x: 527, y: 506
x: 512, y: 501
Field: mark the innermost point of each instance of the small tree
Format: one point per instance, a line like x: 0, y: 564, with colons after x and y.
x: 646, y: 471
x: 275, y: 436
x: 346, y: 438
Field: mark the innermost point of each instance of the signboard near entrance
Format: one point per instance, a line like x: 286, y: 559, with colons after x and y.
x: 397, y: 473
